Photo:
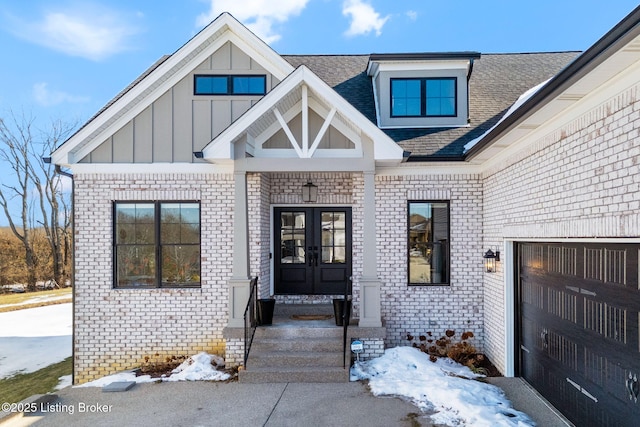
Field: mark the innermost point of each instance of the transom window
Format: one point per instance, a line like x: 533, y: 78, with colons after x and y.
x: 426, y: 97
x: 428, y: 237
x: 230, y: 85
x: 156, y: 244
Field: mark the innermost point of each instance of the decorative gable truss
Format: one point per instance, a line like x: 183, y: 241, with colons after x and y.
x: 303, y: 118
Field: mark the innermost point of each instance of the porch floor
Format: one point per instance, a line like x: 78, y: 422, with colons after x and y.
x: 283, y: 316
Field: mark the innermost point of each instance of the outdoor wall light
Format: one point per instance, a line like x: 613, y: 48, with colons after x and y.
x: 309, y: 192
x: 490, y: 260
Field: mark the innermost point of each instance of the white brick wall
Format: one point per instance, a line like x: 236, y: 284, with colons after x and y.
x: 580, y: 180
x: 419, y: 309
x: 116, y: 328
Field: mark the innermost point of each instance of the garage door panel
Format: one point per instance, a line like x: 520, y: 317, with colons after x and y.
x: 579, y: 329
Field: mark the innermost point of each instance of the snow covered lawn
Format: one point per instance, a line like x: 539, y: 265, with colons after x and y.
x: 445, y: 388
x: 33, y: 338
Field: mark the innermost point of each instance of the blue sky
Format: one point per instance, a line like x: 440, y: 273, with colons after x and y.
x: 65, y: 59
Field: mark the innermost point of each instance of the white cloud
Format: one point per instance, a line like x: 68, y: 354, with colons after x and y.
x: 412, y: 15
x: 364, y: 18
x: 48, y: 98
x: 91, y: 32
x: 260, y: 16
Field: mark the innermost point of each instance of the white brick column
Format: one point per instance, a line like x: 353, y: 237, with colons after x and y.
x: 240, y: 279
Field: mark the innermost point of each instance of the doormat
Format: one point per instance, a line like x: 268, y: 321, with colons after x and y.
x: 311, y: 316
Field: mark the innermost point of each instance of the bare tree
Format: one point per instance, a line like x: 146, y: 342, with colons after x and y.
x: 54, y: 201
x: 15, y: 146
x: 39, y: 191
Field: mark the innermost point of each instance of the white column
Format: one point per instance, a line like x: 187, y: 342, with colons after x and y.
x: 240, y: 279
x: 370, y: 312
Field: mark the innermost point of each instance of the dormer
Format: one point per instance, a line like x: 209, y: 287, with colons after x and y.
x: 421, y: 90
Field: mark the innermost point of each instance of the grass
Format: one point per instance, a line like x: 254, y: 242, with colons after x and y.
x: 21, y: 386
x: 7, y: 299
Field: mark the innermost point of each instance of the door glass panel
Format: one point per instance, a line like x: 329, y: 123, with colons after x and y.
x: 333, y: 238
x: 292, y: 231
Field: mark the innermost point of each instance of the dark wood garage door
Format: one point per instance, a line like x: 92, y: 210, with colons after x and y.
x: 578, y: 317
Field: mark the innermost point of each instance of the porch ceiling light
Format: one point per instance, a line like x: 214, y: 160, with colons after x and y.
x: 309, y: 192
x: 490, y: 260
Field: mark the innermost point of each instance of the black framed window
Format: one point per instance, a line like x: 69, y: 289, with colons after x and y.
x: 206, y: 84
x: 424, y: 97
x: 156, y: 244
x: 428, y: 238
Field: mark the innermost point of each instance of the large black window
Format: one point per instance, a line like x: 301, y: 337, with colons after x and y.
x: 156, y: 244
x: 426, y: 97
x: 428, y: 242
x: 230, y: 85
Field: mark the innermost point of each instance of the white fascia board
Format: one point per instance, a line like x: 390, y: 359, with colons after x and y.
x: 235, y: 32
x: 427, y: 169
x: 425, y: 65
x: 138, y: 168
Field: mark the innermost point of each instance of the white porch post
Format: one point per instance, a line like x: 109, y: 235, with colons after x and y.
x: 370, y: 313
x: 240, y: 279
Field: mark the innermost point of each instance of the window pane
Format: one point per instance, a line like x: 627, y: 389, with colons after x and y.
x: 433, y: 107
x: 405, y: 97
x: 257, y: 85
x: 440, y: 97
x: 181, y: 265
x: 448, y: 107
x: 413, y: 107
x: 211, y: 85
x: 428, y: 242
x: 145, y: 234
x: 448, y: 88
x: 249, y: 85
x: 292, y: 240
x: 180, y: 223
x: 136, y: 265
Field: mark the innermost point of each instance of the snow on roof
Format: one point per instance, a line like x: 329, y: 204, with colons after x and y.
x: 521, y: 100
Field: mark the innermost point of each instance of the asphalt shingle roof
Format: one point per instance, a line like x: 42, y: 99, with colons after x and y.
x: 496, y: 83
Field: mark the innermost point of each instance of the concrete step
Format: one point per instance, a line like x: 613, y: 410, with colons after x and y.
x: 312, y: 345
x: 289, y: 359
x: 286, y: 332
x: 304, y: 374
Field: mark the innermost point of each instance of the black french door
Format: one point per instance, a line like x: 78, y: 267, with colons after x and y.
x: 312, y: 250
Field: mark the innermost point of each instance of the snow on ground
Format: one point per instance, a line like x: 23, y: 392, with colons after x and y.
x: 444, y: 387
x: 201, y: 367
x: 33, y: 338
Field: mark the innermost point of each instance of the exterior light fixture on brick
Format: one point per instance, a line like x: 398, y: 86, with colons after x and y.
x: 309, y: 192
x: 490, y: 260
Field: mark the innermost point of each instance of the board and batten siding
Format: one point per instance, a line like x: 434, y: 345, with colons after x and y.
x: 179, y: 122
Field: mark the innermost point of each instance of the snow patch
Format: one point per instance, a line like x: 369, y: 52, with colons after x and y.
x: 448, y: 389
x: 201, y: 367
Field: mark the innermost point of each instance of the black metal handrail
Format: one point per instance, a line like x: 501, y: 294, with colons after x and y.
x: 250, y: 318
x: 345, y: 321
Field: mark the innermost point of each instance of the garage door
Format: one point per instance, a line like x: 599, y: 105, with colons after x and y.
x: 578, y: 313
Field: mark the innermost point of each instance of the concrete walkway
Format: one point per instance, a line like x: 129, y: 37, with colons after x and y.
x: 234, y: 404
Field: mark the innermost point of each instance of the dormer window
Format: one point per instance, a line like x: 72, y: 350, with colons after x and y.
x: 428, y: 97
x: 421, y: 90
x: 230, y: 85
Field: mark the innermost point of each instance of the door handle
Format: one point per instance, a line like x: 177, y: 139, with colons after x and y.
x: 315, y: 257
x: 310, y: 251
